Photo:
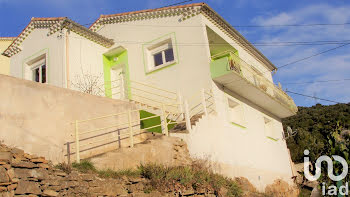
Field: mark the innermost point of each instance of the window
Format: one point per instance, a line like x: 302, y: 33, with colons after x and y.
x: 163, y: 54
x: 235, y: 113
x: 39, y: 74
x: 160, y: 53
x: 270, y: 130
x: 163, y: 57
x: 36, y: 69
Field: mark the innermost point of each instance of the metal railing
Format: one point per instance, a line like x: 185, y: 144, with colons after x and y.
x: 144, y: 93
x: 90, y: 134
x: 97, y: 132
x: 201, y: 104
x: 151, y: 95
x: 259, y: 80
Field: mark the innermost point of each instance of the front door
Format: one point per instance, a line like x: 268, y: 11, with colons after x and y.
x: 118, y: 82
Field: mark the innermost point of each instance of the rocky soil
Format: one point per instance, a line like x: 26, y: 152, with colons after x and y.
x: 22, y: 174
x: 26, y: 175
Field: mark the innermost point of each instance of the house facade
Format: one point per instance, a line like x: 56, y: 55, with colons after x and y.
x: 188, y: 50
x: 5, y: 61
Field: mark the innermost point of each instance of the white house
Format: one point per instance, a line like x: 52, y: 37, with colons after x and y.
x: 189, y: 53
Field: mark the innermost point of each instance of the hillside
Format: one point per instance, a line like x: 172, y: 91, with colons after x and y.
x: 313, y: 125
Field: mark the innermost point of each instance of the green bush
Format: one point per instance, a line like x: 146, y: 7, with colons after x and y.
x: 84, y: 166
x: 314, y: 124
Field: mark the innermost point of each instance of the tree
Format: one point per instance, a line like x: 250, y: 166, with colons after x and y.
x: 88, y: 83
x: 314, y: 124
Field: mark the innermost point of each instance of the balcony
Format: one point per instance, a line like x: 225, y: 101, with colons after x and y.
x: 234, y: 74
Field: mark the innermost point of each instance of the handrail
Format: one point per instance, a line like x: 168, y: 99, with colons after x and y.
x: 100, y: 129
x: 114, y: 80
x: 100, y: 117
x: 113, y: 87
x: 153, y: 87
x: 149, y: 117
x: 222, y: 54
x: 146, y: 98
x: 154, y: 93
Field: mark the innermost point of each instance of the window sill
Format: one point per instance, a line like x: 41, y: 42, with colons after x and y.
x: 238, y: 125
x: 271, y: 138
x: 158, y: 68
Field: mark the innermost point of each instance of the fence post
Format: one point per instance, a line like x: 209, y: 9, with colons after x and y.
x: 130, y: 130
x: 119, y: 142
x: 68, y: 152
x: 77, y: 146
x: 180, y: 101
x: 203, y: 102
x: 165, y: 124
x: 187, y: 117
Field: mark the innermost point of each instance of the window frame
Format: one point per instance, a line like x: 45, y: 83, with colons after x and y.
x: 272, y: 133
x: 39, y: 65
x: 159, y: 45
x: 32, y: 62
x: 239, y: 106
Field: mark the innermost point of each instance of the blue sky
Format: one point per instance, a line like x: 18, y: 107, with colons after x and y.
x: 16, y: 14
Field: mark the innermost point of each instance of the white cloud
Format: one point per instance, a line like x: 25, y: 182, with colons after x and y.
x: 332, y: 65
x: 280, y: 19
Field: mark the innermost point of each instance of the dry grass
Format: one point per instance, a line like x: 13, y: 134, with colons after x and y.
x: 197, y: 177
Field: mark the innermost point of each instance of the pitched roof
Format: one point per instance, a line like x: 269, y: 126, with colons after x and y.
x: 55, y: 24
x: 186, y: 11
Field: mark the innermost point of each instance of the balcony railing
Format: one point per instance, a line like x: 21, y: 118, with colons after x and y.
x: 256, y: 78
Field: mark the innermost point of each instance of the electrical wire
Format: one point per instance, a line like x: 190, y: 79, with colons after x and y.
x: 235, y: 26
x: 323, y: 81
x: 176, y: 3
x: 296, y: 62
x: 288, y: 64
x: 282, y: 43
x: 314, y: 55
x: 314, y: 97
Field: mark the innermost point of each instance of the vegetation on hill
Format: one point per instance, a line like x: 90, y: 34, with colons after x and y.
x: 314, y: 125
x: 162, y: 178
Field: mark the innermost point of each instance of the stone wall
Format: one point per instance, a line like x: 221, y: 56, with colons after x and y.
x: 23, y: 175
x: 27, y: 175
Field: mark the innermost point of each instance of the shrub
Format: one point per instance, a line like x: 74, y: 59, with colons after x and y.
x: 84, y: 166
x: 64, y: 167
x: 118, y: 174
x: 165, y: 178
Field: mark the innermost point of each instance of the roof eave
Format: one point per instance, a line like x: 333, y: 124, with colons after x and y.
x: 99, y: 39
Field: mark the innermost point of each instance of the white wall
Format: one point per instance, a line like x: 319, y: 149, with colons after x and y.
x: 85, y: 58
x: 36, y: 44
x: 191, y: 73
x: 240, y: 151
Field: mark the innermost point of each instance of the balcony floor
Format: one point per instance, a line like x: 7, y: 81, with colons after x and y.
x: 241, y: 86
